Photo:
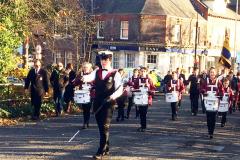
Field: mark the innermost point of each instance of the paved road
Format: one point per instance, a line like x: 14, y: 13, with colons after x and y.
x: 183, y: 139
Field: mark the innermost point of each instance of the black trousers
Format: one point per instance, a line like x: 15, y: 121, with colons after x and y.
x: 179, y: 103
x: 121, y: 105
x: 224, y: 117
x: 37, y: 103
x: 137, y: 111
x: 143, y: 116
x: 174, y: 106
x: 194, y: 103
x: 103, y: 118
x: 202, y: 104
x: 86, y: 112
x: 211, y: 121
x: 130, y: 104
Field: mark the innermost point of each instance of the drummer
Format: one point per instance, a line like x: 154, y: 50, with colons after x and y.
x: 144, y: 80
x: 175, y: 85
x: 227, y: 90
x: 133, y: 83
x: 86, y: 70
x: 212, y: 81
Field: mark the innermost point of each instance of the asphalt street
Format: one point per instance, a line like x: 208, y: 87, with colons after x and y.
x: 186, y: 138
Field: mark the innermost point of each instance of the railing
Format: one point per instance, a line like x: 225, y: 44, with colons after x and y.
x: 14, y: 92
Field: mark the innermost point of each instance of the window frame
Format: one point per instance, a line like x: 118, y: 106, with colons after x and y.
x: 122, y: 29
x: 100, y: 24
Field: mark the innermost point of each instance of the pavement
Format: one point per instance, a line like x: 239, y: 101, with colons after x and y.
x: 185, y: 138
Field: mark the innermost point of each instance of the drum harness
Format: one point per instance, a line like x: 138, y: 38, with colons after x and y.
x: 105, y: 101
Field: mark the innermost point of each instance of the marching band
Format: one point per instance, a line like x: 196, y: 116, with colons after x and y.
x: 105, y: 87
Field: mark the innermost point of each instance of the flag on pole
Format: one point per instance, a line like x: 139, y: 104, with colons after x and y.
x: 226, y: 54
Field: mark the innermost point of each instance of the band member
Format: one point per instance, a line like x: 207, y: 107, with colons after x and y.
x: 194, y: 90
x: 144, y: 80
x: 38, y: 79
x: 218, y: 88
x: 175, y: 85
x: 58, y: 82
x: 133, y: 83
x: 86, y: 108
x: 203, y: 79
x: 122, y: 99
x: 108, y: 88
x: 228, y: 91
x: 69, y: 89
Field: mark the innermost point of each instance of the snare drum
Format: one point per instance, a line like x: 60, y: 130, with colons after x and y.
x: 223, y: 106
x: 171, y: 97
x: 140, y: 99
x: 211, y: 103
x: 82, y: 96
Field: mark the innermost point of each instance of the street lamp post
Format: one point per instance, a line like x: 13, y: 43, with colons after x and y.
x: 235, y: 37
x: 196, y: 43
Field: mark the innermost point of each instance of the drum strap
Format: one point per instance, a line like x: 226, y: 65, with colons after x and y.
x: 175, y: 85
x: 105, y: 101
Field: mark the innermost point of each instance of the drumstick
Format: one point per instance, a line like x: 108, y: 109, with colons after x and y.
x: 73, y: 136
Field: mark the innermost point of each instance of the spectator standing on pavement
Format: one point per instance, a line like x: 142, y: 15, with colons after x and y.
x: 218, y: 88
x: 58, y: 82
x: 86, y: 108
x: 108, y: 87
x: 69, y: 89
x: 37, y: 79
x: 194, y: 81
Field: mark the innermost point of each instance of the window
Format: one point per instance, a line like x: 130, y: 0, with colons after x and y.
x: 124, y: 30
x: 176, y: 33
x: 100, y: 31
x: 116, y: 59
x: 151, y: 58
x: 58, y: 57
x: 130, y: 60
x: 69, y: 57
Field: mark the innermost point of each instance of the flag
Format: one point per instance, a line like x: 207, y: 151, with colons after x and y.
x: 226, y: 54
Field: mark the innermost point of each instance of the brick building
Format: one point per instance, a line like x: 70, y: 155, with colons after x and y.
x: 161, y: 34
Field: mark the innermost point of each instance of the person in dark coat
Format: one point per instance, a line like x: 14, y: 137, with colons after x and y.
x: 203, y: 78
x: 69, y: 89
x: 37, y: 79
x: 108, y: 87
x: 234, y: 86
x: 194, y: 81
x: 58, y: 82
x: 166, y: 80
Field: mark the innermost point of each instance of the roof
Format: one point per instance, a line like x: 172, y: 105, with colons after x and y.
x: 229, y: 14
x: 118, y: 6
x: 178, y: 8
